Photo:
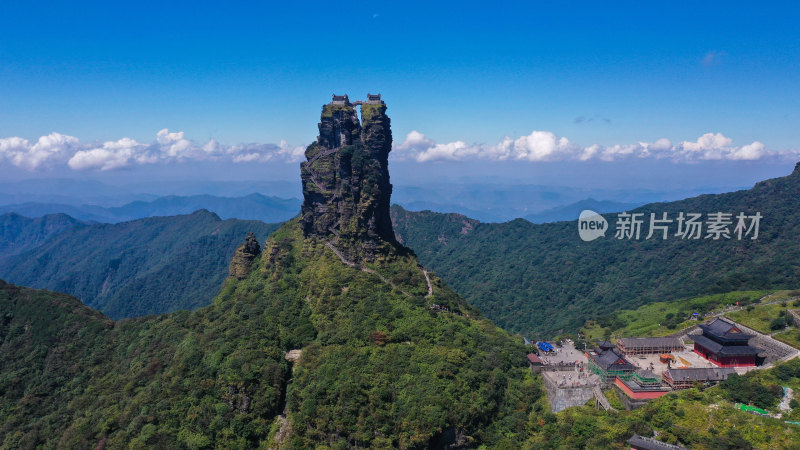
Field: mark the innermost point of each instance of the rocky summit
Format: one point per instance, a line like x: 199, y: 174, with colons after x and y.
x: 346, y: 188
x: 243, y: 257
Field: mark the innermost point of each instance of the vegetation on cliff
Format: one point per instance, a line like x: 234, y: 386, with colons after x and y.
x: 346, y: 188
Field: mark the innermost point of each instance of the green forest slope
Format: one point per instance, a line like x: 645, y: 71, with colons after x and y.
x: 378, y: 368
x: 542, y: 279
x: 130, y: 269
x: 19, y: 234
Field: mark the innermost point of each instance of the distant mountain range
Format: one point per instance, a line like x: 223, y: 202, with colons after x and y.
x: 93, y: 200
x: 146, y: 266
x: 503, y: 202
x: 274, y: 209
x: 250, y: 207
x: 573, y: 210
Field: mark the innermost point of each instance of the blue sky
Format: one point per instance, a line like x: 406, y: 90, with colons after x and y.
x: 616, y: 76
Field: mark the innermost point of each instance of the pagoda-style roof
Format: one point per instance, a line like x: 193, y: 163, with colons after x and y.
x: 611, y: 360
x: 605, y: 345
x: 644, y: 443
x: 723, y: 331
x: 726, y: 350
x: 340, y: 99
x: 374, y: 99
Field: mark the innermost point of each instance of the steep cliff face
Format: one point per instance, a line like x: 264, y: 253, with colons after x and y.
x: 346, y: 188
x: 243, y: 257
x: 338, y: 126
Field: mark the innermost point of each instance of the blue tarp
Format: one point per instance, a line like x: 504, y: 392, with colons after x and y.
x: 545, y: 347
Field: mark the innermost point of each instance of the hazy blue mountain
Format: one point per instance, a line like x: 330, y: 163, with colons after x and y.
x: 250, y: 207
x: 573, y: 210
x: 86, y: 213
x: 498, y: 202
x: 483, y: 216
x: 485, y: 200
x: 69, y: 192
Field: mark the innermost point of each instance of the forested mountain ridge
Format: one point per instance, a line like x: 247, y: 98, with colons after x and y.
x: 517, y: 272
x: 130, y: 269
x: 390, y: 357
x: 18, y: 233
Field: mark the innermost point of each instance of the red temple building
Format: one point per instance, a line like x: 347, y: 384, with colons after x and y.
x: 725, y: 345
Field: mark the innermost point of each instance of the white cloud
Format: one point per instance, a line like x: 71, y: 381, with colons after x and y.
x: 168, y: 146
x: 113, y: 155
x: 547, y: 146
x: 173, y: 145
x: 541, y: 146
x: 48, y: 150
x: 752, y: 151
x: 415, y: 142
x: 708, y: 141
x: 538, y: 146
x: 291, y: 153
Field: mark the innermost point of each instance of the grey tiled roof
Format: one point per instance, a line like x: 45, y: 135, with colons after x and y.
x: 651, y: 444
x: 609, y: 359
x: 725, y: 350
x: 722, y: 328
x: 701, y: 374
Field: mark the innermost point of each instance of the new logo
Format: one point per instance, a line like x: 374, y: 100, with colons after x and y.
x: 591, y: 225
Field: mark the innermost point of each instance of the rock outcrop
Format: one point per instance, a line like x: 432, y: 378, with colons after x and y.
x: 346, y: 188
x: 243, y: 257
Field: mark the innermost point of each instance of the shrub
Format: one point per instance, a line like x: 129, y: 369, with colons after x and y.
x: 778, y: 323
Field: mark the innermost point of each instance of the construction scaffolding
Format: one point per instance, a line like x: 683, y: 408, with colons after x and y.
x: 638, y: 346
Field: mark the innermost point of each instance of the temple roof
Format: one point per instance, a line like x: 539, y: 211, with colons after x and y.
x: 700, y: 374
x: 641, y: 442
x: 724, y: 330
x: 605, y: 345
x: 611, y: 360
x: 726, y: 350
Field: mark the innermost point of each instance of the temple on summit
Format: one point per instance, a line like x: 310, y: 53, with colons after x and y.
x: 346, y: 187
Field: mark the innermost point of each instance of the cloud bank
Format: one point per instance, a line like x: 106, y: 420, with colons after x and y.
x: 544, y: 146
x: 57, y: 149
